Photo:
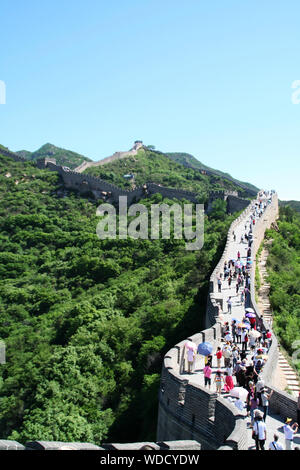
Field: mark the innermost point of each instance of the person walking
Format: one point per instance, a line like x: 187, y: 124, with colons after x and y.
x: 260, y: 432
x: 219, y: 284
x: 253, y: 402
x: 229, y: 305
x: 289, y: 432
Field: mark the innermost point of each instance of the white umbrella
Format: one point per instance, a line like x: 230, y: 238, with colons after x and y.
x: 250, y: 310
x: 239, y: 392
x: 255, y: 333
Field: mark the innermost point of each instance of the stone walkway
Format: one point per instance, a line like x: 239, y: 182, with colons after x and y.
x: 274, y: 422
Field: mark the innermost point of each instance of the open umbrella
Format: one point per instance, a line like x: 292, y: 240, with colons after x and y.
x: 250, y: 315
x: 190, y: 345
x: 250, y: 310
x: 205, y: 348
x: 255, y: 333
x: 239, y: 392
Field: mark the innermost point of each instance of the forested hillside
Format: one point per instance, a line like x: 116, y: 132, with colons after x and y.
x: 149, y: 166
x: 189, y: 160
x: 284, y: 276
x: 87, y: 322
x: 63, y: 157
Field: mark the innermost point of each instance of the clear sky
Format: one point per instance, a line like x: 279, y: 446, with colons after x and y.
x: 211, y: 78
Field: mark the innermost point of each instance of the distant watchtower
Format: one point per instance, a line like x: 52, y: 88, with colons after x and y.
x: 137, y: 144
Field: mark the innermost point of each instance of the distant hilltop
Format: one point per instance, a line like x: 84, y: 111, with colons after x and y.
x: 63, y: 157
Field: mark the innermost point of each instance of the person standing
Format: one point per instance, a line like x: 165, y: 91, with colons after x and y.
x: 244, y: 339
x: 239, y: 335
x: 227, y: 354
x: 259, y: 388
x: 219, y: 355
x: 228, y: 385
x: 218, y: 381
x: 219, y: 284
x: 190, y: 358
x: 265, y: 402
x: 207, y: 375
x: 275, y: 445
x: 289, y: 432
x: 233, y: 330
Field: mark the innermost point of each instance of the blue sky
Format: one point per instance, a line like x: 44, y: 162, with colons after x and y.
x: 213, y: 79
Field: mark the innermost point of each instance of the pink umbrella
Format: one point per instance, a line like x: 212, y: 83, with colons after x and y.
x: 190, y: 345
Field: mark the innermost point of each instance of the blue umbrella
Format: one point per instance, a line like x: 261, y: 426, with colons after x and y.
x: 205, y: 349
x: 236, y: 319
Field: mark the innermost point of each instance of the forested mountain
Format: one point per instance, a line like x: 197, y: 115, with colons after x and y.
x: 62, y: 156
x: 86, y: 322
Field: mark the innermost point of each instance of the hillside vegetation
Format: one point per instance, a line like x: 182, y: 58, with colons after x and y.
x: 149, y: 166
x: 284, y: 276
x: 188, y: 160
x: 63, y: 157
x: 86, y: 322
x: 293, y: 204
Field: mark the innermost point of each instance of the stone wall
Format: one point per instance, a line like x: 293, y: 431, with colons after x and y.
x: 56, y: 445
x: 187, y: 409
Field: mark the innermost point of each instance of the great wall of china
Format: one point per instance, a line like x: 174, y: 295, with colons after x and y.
x: 103, y: 190
x: 189, y: 414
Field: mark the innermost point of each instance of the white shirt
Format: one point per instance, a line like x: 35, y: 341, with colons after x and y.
x: 276, y: 446
x: 259, y: 428
x: 288, y: 432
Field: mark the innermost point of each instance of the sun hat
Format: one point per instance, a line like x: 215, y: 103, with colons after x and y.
x: 288, y: 420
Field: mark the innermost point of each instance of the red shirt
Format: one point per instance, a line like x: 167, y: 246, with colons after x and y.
x: 219, y: 354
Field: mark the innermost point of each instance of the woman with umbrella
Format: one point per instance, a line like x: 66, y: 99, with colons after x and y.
x: 191, y: 354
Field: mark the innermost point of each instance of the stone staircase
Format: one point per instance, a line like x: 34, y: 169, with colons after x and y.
x: 291, y: 379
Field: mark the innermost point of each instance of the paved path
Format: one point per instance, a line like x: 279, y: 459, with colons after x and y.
x: 273, y: 422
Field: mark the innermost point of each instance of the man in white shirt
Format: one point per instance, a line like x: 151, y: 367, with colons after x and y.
x: 275, y: 445
x: 260, y: 431
x: 289, y: 432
